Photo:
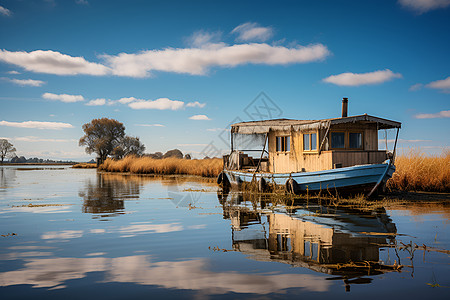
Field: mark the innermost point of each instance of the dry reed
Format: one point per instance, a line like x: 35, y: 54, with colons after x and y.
x: 167, y: 166
x: 417, y: 171
x: 85, y: 166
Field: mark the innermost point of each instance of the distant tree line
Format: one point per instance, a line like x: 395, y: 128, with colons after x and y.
x: 35, y: 160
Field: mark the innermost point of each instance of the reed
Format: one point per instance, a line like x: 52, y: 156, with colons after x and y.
x: 85, y: 166
x: 167, y: 166
x: 416, y: 171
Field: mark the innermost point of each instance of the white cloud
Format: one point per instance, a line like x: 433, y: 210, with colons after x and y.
x: 196, y: 104
x: 197, y: 61
x: 13, y: 72
x: 4, y: 11
x: 97, y: 102
x: 37, y: 125
x: 192, y: 145
x: 82, y: 2
x: 415, y: 87
x: 441, y: 114
x: 38, y: 139
x: 443, y: 85
x: 355, y: 79
x: 252, y: 32
x: 199, y: 117
x: 63, y: 97
x: 150, y: 125
x: 202, y: 38
x: 126, y: 100
x: 52, y: 62
x: 161, y: 104
x: 422, y: 6
x: 25, y: 82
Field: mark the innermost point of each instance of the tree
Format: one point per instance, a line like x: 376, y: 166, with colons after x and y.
x: 102, y: 136
x: 128, y: 146
x: 6, y: 149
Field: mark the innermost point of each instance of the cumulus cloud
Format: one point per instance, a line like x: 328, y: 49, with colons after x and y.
x: 52, y: 62
x: 63, y: 97
x: 126, y: 100
x: 161, y: 104
x: 199, y: 118
x: 150, y: 125
x: 96, y: 102
x: 37, y: 125
x: 443, y: 85
x: 422, y: 6
x: 252, y: 32
x: 197, y: 61
x: 441, y: 114
x: 355, y: 79
x: 25, y: 82
x: 196, y: 104
x: 13, y: 72
x: 4, y: 11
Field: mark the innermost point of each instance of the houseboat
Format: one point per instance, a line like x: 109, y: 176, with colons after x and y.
x: 335, y: 155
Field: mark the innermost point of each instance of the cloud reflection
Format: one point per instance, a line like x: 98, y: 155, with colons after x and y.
x: 139, y: 269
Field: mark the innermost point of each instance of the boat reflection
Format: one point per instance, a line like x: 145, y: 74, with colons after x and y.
x: 105, y: 197
x: 327, y: 240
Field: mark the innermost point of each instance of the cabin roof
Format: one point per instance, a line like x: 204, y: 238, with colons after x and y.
x: 264, y: 126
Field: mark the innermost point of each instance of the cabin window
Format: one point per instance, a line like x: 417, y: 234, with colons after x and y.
x: 355, y: 140
x: 338, y: 140
x: 309, y: 141
x: 283, y: 143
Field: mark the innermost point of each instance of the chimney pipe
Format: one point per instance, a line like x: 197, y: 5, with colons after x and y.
x: 344, y: 107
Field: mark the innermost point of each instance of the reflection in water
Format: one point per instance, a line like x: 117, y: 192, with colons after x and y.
x: 106, y: 196
x: 7, y: 176
x: 322, y: 239
x: 139, y: 269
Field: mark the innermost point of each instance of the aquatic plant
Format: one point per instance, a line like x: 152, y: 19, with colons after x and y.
x: 166, y: 166
x: 417, y: 171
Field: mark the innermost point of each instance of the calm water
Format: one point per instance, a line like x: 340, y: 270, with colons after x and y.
x: 89, y: 235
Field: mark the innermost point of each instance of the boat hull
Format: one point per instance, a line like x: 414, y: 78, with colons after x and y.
x: 355, y: 179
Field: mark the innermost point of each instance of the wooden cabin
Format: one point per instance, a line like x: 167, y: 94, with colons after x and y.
x: 315, y: 145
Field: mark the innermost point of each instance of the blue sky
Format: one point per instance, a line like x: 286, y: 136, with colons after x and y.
x: 177, y: 73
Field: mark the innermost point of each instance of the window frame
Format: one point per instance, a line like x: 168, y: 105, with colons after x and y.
x: 346, y: 139
x: 362, y: 139
x: 284, y: 145
x: 310, y: 133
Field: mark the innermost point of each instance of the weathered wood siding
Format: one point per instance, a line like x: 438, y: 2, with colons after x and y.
x: 296, y: 160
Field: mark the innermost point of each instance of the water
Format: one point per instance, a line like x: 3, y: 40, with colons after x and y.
x: 89, y: 235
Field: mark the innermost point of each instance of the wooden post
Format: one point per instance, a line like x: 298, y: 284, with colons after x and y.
x: 262, y: 152
x: 395, y: 145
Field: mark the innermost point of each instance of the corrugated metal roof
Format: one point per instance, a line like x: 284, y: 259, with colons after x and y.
x: 264, y: 126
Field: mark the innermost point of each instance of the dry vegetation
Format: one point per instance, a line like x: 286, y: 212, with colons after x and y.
x: 85, y: 166
x: 166, y: 166
x: 417, y: 171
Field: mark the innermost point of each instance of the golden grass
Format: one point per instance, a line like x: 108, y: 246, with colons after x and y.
x: 85, y: 166
x: 417, y: 171
x: 167, y: 166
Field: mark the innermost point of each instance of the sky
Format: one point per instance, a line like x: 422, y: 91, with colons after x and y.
x: 177, y: 73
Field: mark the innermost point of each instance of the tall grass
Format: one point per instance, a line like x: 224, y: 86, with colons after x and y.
x: 167, y: 166
x: 417, y: 171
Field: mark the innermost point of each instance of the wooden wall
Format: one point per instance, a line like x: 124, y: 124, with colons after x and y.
x: 297, y: 161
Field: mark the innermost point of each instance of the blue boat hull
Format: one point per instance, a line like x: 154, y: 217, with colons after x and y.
x: 363, y: 178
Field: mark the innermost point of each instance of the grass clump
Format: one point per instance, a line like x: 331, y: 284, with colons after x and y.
x: 417, y: 171
x: 85, y: 166
x: 166, y: 166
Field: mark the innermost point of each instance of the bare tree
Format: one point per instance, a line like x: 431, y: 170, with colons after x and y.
x: 6, y: 149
